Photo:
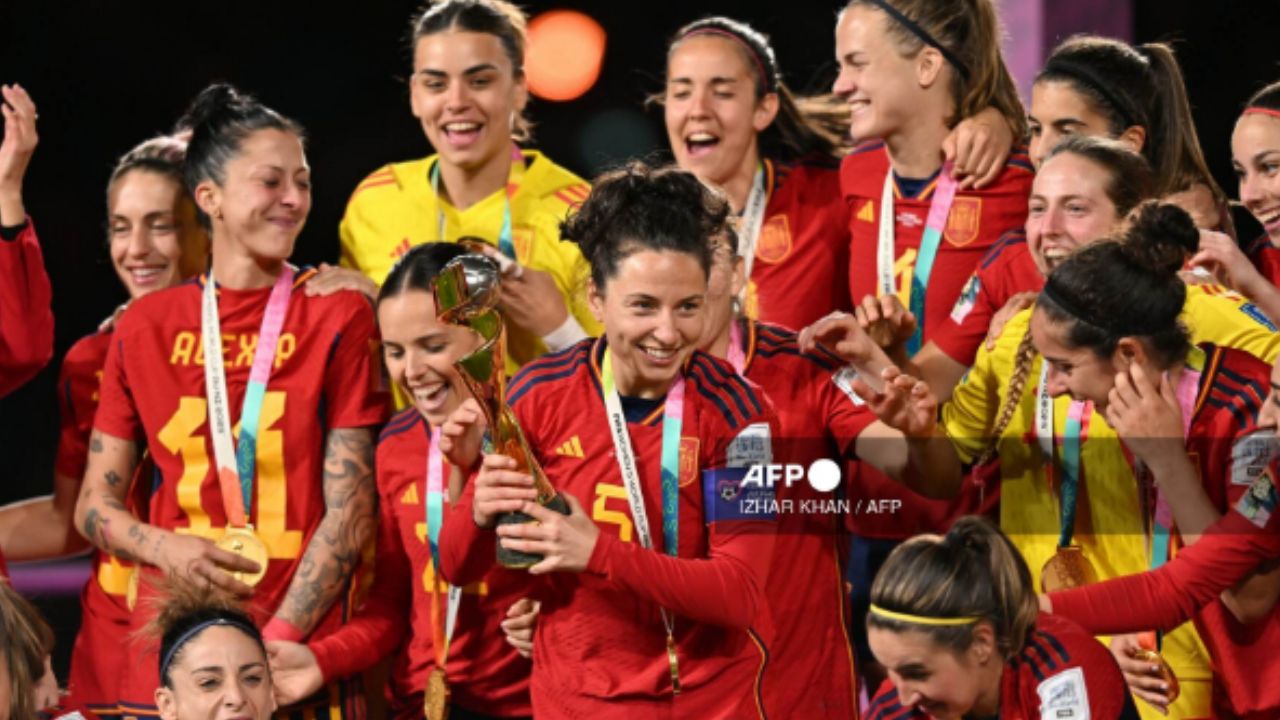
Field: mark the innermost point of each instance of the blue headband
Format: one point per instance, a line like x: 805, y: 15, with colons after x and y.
x: 198, y: 628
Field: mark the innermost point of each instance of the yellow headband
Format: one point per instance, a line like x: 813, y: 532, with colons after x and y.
x: 918, y: 620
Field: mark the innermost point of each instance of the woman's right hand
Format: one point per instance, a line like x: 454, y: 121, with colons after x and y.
x: 1015, y: 305
x: 200, y: 562
x: 904, y: 403
x: 462, y: 435
x: 295, y: 674
x: 500, y: 488
x: 842, y: 334
x: 518, y: 627
x: 1143, y: 678
x: 1221, y: 255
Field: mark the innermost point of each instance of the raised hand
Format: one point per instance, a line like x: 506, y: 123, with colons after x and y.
x: 295, y: 674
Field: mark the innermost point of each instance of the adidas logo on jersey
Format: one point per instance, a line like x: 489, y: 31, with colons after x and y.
x: 410, y: 496
x: 572, y: 448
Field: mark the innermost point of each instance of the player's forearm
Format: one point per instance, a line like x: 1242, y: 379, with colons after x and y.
x: 348, y: 523
x: 1179, y: 483
x: 934, y: 468
x: 100, y: 512
x: 37, y: 529
x: 12, y: 211
x: 937, y: 370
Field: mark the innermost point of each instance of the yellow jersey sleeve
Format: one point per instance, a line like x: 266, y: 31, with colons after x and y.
x: 970, y: 416
x: 389, y: 212
x: 1225, y: 318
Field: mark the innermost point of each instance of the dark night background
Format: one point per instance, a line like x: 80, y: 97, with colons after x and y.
x: 106, y: 75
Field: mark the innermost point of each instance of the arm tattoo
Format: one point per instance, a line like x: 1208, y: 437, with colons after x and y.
x: 95, y: 527
x: 95, y: 443
x: 113, y: 478
x: 334, y: 550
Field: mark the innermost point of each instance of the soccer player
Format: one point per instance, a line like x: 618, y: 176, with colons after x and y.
x: 954, y: 620
x: 26, y: 320
x: 212, y: 661
x: 154, y: 242
x: 1255, y: 156
x: 1240, y: 544
x: 732, y: 121
x: 650, y: 587
x: 280, y: 510
x: 1075, y: 453
x: 811, y: 670
x: 468, y: 90
x: 1093, y: 87
x: 485, y: 676
x: 1100, y: 86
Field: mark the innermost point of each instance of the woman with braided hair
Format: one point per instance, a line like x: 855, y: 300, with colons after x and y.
x: 1072, y: 494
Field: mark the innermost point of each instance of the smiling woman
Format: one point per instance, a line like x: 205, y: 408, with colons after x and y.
x: 636, y: 429
x: 469, y: 91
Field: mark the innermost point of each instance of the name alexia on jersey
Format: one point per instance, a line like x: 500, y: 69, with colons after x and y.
x: 237, y: 349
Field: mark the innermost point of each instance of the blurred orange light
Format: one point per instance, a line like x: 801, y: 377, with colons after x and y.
x: 566, y: 49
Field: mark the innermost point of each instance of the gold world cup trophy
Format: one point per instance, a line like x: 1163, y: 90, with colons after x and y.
x: 466, y: 294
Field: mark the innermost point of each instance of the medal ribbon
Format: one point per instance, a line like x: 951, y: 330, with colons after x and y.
x: 1075, y: 432
x: 752, y: 220
x: 944, y: 194
x: 236, y: 466
x: 514, y: 177
x: 1188, y: 384
x: 435, y: 518
x: 672, y: 421
x: 737, y: 348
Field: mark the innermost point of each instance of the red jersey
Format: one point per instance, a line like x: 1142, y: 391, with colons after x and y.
x: 977, y: 219
x: 1061, y: 672
x: 325, y: 376
x: 105, y: 615
x: 486, y: 675
x: 801, y: 267
x: 1006, y: 270
x: 1188, y: 587
x: 600, y: 647
x: 805, y: 589
x: 26, y: 320
x: 1265, y: 257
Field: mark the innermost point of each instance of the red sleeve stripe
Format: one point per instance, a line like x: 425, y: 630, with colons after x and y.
x: 567, y: 199
x: 775, y: 340
x: 757, y: 685
x: 886, y: 706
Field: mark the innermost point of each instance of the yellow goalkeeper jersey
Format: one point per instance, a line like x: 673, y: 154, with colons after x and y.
x: 394, y: 209
x: 1109, y: 520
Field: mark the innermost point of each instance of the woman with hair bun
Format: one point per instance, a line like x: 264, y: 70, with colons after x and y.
x: 954, y: 621
x: 468, y: 90
x: 1079, y: 477
x: 279, y: 511
x: 652, y: 586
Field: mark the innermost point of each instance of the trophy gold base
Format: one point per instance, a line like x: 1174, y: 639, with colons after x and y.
x: 513, y: 559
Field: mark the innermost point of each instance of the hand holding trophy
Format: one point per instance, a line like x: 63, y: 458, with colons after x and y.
x: 466, y: 294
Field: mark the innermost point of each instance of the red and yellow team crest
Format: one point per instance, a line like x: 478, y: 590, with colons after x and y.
x: 964, y: 221
x: 774, y: 244
x: 688, y: 460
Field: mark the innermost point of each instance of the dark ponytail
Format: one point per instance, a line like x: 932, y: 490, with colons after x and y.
x: 1128, y: 288
x: 219, y: 120
x: 641, y: 208
x: 1137, y: 86
x: 972, y: 573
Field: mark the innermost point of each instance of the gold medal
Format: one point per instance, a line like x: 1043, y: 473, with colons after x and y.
x: 1166, y: 673
x: 131, y: 590
x: 1068, y: 568
x: 674, y: 663
x: 243, y: 542
x: 436, y: 696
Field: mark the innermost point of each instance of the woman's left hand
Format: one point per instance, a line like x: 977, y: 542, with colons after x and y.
x: 329, y: 279
x: 1146, y: 416
x: 565, y: 542
x: 462, y: 435
x: 531, y: 300
x: 1221, y: 255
